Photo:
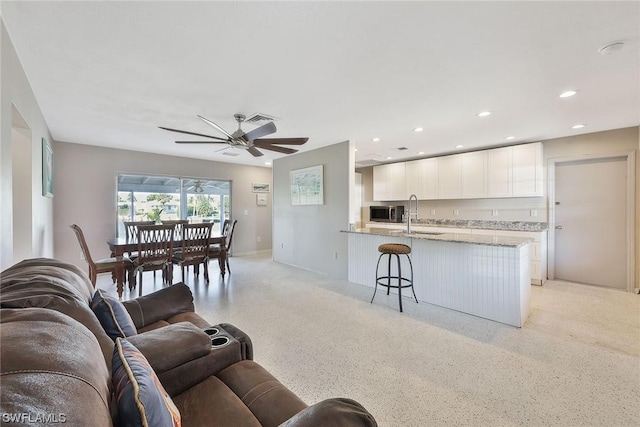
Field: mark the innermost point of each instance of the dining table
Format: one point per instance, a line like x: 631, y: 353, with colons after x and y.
x: 119, y: 246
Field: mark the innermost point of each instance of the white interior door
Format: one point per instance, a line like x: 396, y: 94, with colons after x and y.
x: 590, y: 221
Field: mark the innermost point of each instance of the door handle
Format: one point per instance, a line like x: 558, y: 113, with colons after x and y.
x: 558, y: 227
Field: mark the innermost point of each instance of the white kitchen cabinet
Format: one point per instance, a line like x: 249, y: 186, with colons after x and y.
x: 396, y: 182
x: 380, y: 183
x: 449, y: 177
x: 389, y: 182
x: 527, y: 170
x: 515, y: 171
x: 473, y: 175
x: 422, y: 178
x: 500, y: 172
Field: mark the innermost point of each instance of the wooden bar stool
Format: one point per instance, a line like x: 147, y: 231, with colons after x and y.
x: 397, y: 249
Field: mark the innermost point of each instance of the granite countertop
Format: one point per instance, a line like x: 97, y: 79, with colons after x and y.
x: 481, y: 224
x: 512, y: 242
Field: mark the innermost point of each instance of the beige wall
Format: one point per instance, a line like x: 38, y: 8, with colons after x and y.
x: 16, y: 95
x: 309, y: 236
x: 86, y: 195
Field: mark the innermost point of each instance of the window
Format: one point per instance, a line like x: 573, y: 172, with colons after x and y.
x: 157, y: 198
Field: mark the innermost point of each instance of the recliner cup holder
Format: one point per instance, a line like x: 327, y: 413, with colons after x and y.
x: 212, y: 331
x: 219, y: 341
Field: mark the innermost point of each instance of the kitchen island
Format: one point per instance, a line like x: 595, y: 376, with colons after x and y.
x: 486, y: 276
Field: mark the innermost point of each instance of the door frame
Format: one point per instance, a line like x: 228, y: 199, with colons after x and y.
x: 630, y: 209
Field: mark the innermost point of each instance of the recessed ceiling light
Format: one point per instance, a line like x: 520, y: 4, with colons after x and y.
x: 376, y: 139
x: 267, y: 163
x: 484, y: 113
x: 568, y: 93
x: 459, y: 146
x: 418, y: 130
x: 389, y: 158
x: 510, y: 137
x: 580, y: 126
x: 420, y: 152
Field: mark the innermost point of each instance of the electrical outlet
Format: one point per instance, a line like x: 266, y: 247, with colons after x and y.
x: 281, y: 245
x: 246, y: 212
x: 433, y: 212
x: 534, y: 212
x: 335, y: 255
x: 494, y: 212
x: 456, y: 212
x: 259, y: 238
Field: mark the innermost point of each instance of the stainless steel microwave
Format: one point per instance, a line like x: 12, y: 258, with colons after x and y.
x: 386, y: 213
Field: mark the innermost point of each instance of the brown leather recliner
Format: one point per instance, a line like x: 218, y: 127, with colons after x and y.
x: 56, y: 359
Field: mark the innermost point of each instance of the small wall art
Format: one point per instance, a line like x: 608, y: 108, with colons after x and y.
x: 260, y: 188
x: 307, y: 186
x: 47, y: 169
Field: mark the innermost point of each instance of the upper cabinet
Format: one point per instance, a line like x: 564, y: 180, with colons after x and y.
x: 422, y: 178
x: 500, y: 172
x: 449, y: 168
x: 473, y: 175
x: 527, y: 170
x: 389, y: 182
x: 515, y: 171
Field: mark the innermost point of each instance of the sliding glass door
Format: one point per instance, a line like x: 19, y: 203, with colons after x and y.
x: 158, y: 198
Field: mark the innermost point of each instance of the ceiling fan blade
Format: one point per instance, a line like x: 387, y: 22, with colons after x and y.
x: 201, y: 142
x: 284, y: 150
x: 254, y: 152
x: 209, y: 122
x: 266, y: 129
x: 281, y: 141
x: 193, y: 133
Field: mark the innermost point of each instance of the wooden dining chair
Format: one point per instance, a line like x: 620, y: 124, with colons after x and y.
x: 177, y: 232
x: 155, y: 250
x: 194, y: 249
x: 227, y: 231
x: 106, y: 265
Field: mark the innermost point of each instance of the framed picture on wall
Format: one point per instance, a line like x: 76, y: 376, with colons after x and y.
x: 47, y: 169
x: 307, y: 186
x: 260, y: 188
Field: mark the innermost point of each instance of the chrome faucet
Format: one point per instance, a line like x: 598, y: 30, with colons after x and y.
x: 411, y: 197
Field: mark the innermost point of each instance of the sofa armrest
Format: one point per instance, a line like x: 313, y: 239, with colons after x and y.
x: 160, y: 305
x: 172, y: 346
x: 338, y: 412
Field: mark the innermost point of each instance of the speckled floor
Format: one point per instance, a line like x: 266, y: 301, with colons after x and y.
x: 575, y: 362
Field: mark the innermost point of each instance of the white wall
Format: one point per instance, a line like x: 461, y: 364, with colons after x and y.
x: 309, y: 236
x: 86, y: 195
x: 15, y: 92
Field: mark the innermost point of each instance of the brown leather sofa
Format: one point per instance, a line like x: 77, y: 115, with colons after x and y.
x: 55, y: 359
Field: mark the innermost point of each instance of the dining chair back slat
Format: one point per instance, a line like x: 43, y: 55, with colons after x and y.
x: 195, y: 248
x: 155, y: 250
x: 177, y: 232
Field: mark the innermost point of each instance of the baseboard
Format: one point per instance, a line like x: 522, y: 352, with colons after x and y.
x: 250, y: 253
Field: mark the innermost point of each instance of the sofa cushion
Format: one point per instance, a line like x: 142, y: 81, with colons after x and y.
x: 54, y: 285
x: 160, y: 305
x: 270, y: 401
x: 141, y: 399
x: 112, y: 315
x: 50, y: 363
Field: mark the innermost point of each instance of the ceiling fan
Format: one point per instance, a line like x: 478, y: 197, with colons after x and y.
x: 250, y: 141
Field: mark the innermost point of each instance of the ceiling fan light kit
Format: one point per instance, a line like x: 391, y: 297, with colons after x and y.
x: 250, y: 141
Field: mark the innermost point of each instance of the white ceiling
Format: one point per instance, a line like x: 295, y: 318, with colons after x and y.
x: 108, y: 73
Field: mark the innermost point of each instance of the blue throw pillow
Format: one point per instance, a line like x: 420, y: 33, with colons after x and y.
x: 112, y: 315
x: 141, y: 399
